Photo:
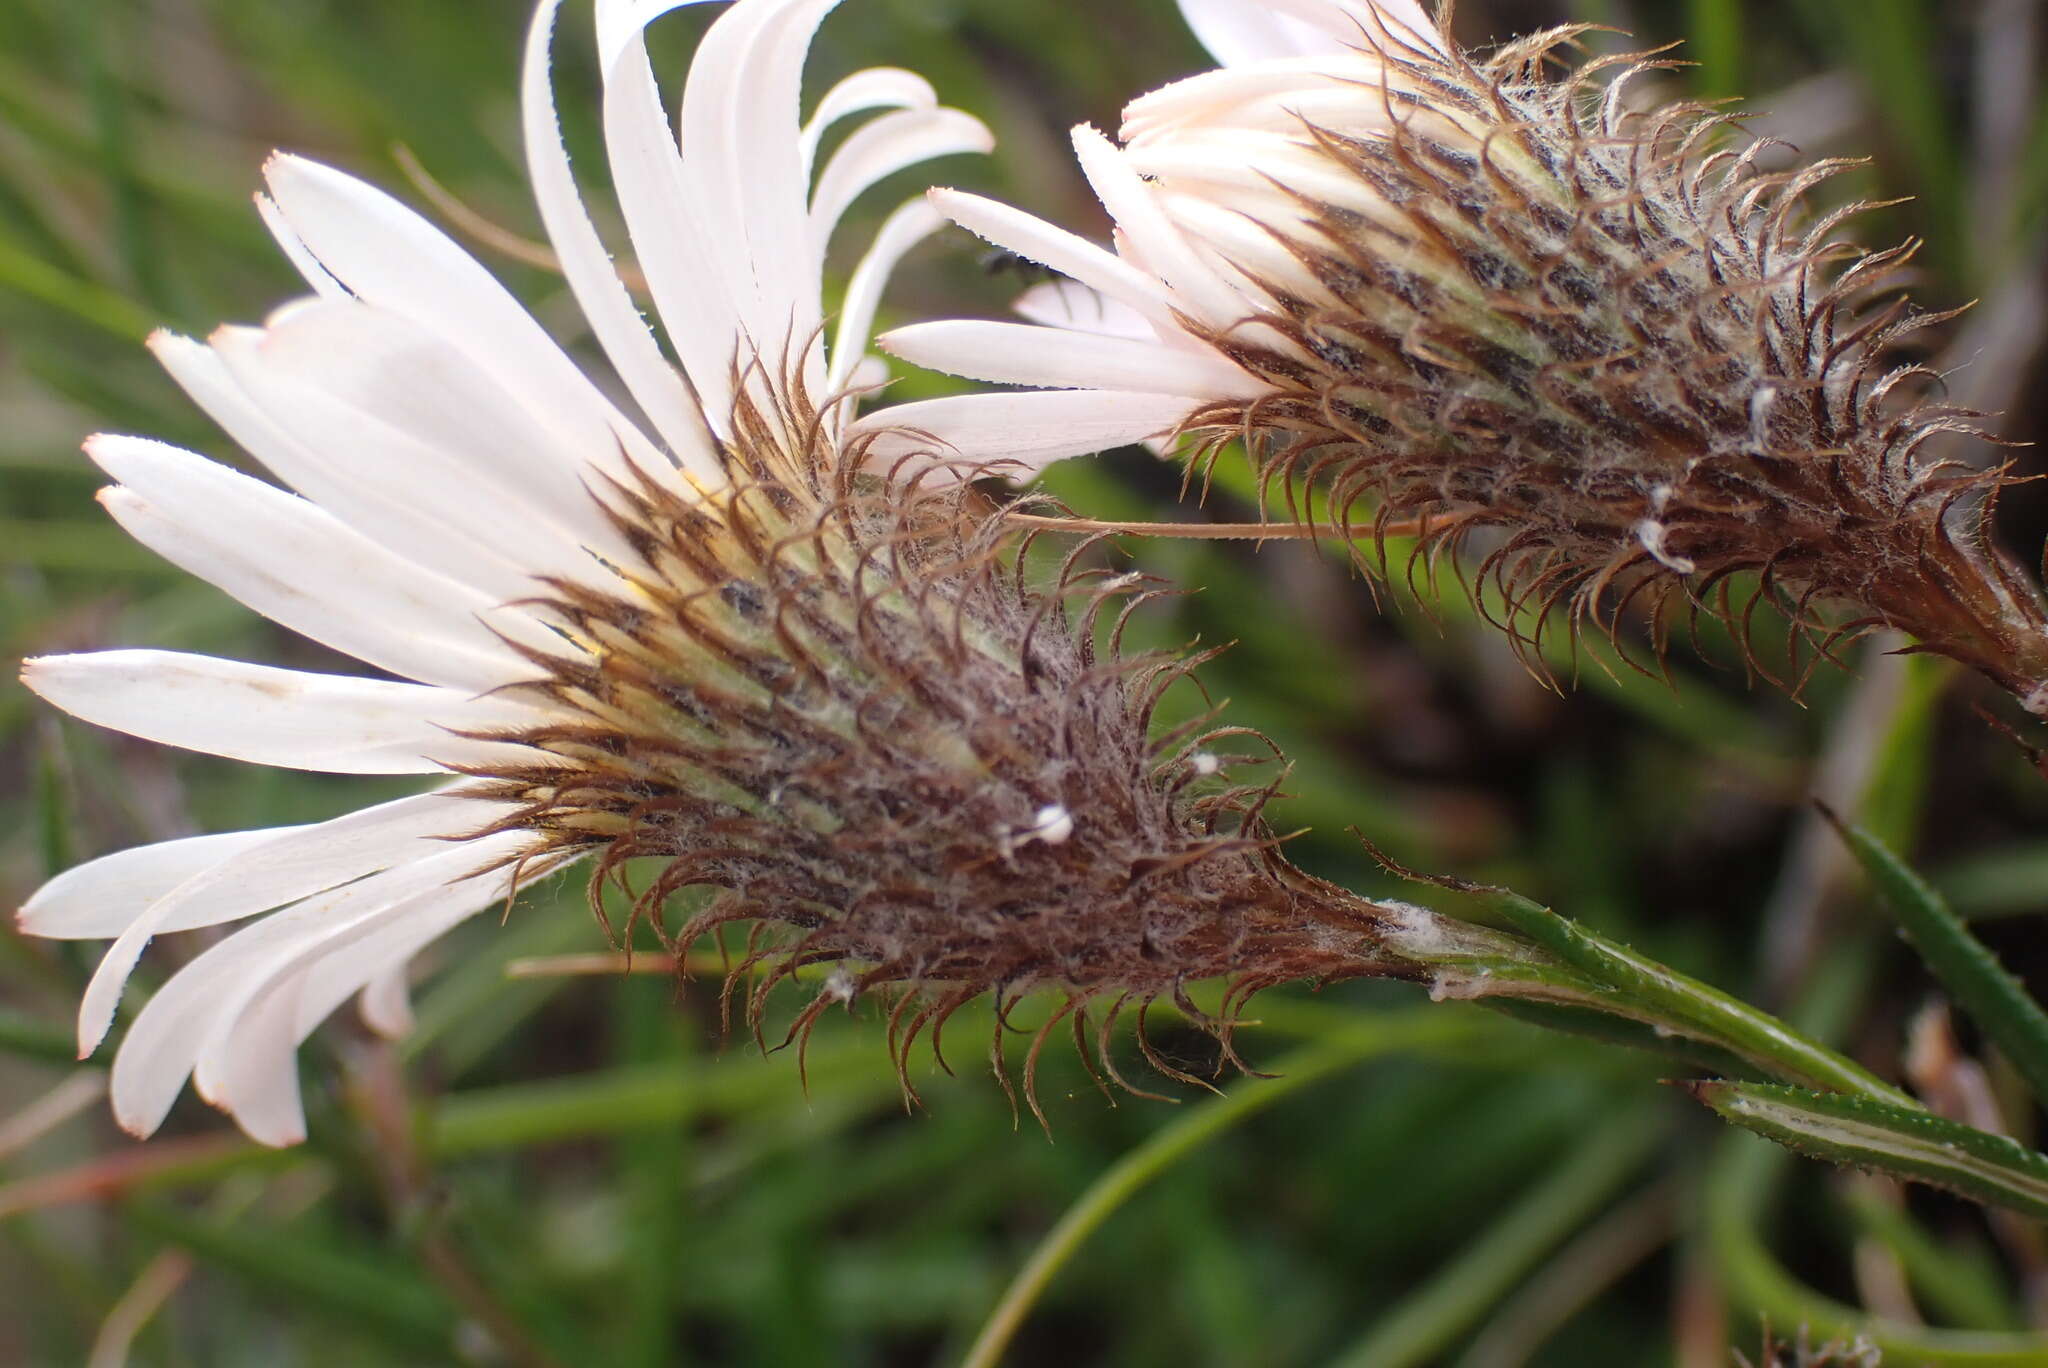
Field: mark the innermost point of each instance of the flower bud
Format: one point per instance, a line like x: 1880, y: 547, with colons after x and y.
x: 1454, y: 291
x: 846, y: 711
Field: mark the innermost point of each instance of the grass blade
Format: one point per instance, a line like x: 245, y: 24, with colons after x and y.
x: 1428, y: 1322
x: 1192, y: 1129
x: 1995, y: 1000
x: 1865, y: 1133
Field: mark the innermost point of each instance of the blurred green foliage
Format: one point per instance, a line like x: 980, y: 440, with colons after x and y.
x: 574, y: 1170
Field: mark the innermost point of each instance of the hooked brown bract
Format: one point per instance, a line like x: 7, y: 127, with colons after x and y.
x: 1624, y: 344
x: 845, y: 707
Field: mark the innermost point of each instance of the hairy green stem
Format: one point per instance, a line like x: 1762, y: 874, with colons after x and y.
x: 1638, y: 988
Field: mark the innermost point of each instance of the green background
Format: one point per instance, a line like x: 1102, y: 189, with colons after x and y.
x: 576, y: 1170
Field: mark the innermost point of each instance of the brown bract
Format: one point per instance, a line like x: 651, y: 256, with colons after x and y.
x: 1629, y: 349
x: 843, y: 707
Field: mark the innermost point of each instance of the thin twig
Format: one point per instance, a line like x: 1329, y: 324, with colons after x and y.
x: 1204, y: 531
x: 500, y: 240
x: 31, y: 1123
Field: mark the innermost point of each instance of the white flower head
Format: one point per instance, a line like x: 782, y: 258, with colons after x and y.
x: 1204, y: 173
x: 1456, y: 291
x: 450, y: 460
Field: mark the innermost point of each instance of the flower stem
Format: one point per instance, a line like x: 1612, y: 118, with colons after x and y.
x: 1690, y: 1007
x: 1193, y: 1128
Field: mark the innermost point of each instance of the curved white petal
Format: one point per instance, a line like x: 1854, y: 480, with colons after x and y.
x: 1065, y: 252
x: 389, y: 256
x: 1013, y: 435
x: 314, y: 859
x: 297, y: 252
x: 1239, y: 32
x: 677, y: 235
x: 299, y: 566
x: 1072, y: 305
x: 248, y: 1066
x: 386, y: 1003
x: 1021, y: 354
x: 338, y: 724
x: 742, y: 147
x: 617, y: 324
x: 1158, y: 240
x: 911, y: 224
x: 178, y: 1024
x: 96, y: 899
x: 874, y: 88
x: 883, y: 147
x: 459, y: 425
x: 391, y: 516
x: 296, y: 864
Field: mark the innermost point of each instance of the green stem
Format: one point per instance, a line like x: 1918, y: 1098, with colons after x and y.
x: 1740, y: 1186
x: 1686, y: 1005
x: 1195, y: 1127
x: 1995, y: 1000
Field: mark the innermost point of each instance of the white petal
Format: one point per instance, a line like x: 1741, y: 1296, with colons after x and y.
x: 424, y: 418
x: 386, y: 1003
x: 332, y: 723
x: 301, y: 567
x: 743, y: 151
x: 1268, y: 97
x: 322, y: 400
x: 97, y: 898
x: 303, y: 861
x: 882, y: 148
x: 1242, y: 31
x: 1135, y: 207
x: 674, y: 239
x: 874, y: 88
x: 297, y: 864
x: 249, y: 1065
x: 617, y: 324
x: 1355, y: 23
x: 1021, y: 354
x: 911, y: 224
x: 300, y: 255
x: 1011, y: 434
x: 176, y: 1026
x: 388, y: 515
x: 1070, y: 304
x: 1070, y: 255
x: 389, y: 256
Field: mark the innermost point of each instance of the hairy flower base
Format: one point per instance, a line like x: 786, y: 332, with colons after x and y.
x: 848, y: 711
x: 1510, y: 302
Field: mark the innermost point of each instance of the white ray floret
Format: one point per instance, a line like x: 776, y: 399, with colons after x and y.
x: 1202, y: 184
x: 440, y: 457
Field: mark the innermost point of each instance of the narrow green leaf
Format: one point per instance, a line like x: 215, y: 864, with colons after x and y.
x: 1194, y: 1127
x: 1960, y: 1282
x: 1741, y: 1185
x: 378, y: 1298
x: 1450, y: 1303
x: 1995, y: 1000
x: 2008, y: 882
x: 82, y: 299
x: 1865, y: 1133
x: 1716, y: 27
x: 25, y: 1035
x: 1653, y: 992
x: 639, y: 1097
